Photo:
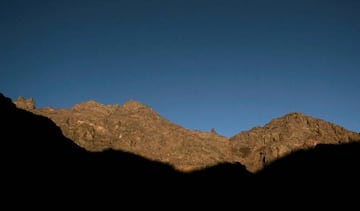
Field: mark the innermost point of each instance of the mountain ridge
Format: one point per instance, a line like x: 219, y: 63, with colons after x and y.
x: 284, y: 135
x: 137, y: 128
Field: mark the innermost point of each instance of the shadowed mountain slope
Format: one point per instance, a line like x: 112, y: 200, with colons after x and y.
x: 325, y: 162
x: 326, y: 176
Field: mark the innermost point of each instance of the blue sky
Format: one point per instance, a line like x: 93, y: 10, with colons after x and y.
x: 228, y: 65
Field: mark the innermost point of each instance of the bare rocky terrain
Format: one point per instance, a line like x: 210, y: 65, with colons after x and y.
x: 137, y: 128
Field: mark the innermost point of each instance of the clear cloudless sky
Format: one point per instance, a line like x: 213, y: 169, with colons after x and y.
x: 228, y: 65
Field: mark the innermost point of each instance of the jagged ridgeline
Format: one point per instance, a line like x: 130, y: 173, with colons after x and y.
x: 137, y: 128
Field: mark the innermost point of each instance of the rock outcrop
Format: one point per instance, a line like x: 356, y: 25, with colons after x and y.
x: 26, y: 104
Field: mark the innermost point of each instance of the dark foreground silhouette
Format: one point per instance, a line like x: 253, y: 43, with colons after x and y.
x: 38, y: 161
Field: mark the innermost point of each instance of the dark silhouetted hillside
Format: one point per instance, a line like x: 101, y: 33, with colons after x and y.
x: 341, y: 161
x: 327, y: 175
x: 325, y: 164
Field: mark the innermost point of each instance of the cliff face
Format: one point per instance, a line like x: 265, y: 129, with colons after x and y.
x: 137, y: 128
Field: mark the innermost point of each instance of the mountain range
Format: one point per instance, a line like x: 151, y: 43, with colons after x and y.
x: 136, y: 128
x: 89, y: 156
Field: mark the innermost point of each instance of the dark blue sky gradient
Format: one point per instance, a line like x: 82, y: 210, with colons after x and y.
x: 228, y: 65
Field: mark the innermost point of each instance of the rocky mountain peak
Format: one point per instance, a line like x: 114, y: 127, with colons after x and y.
x: 93, y: 107
x: 88, y: 104
x: 26, y: 104
x: 134, y: 105
x: 293, y: 118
